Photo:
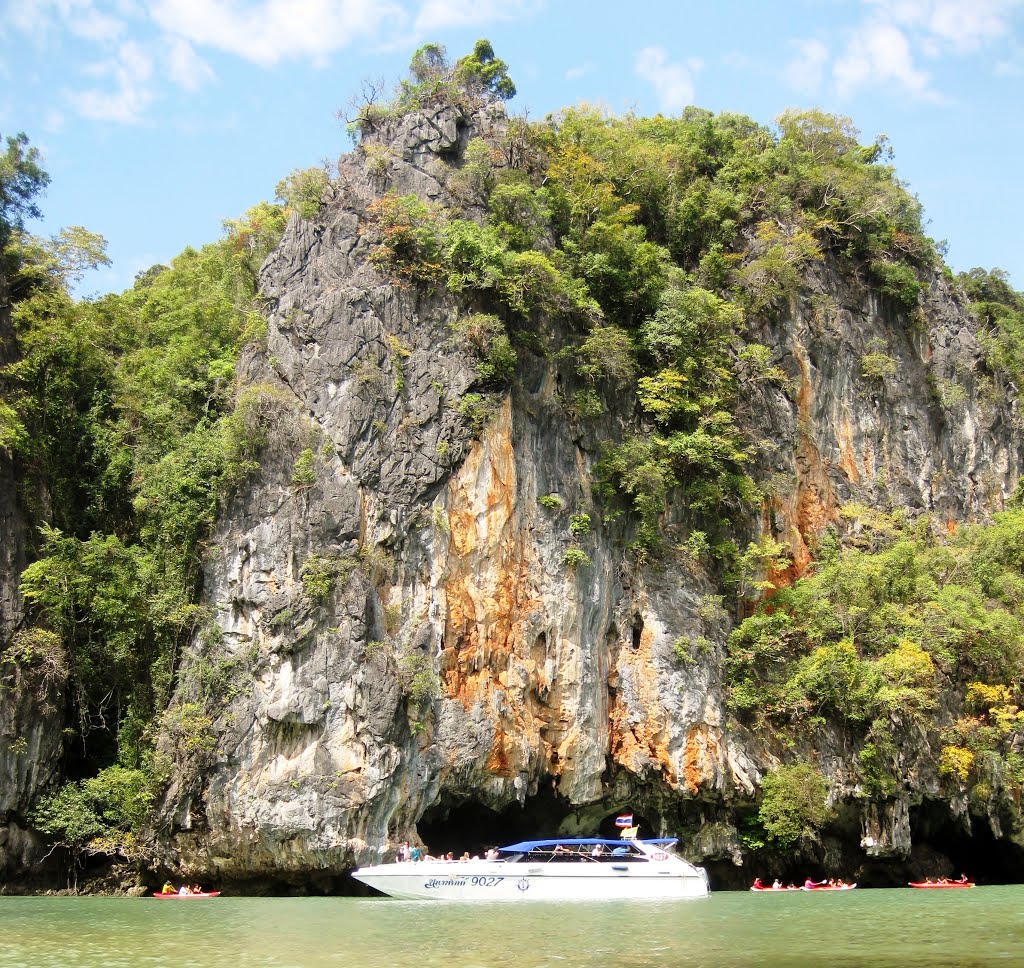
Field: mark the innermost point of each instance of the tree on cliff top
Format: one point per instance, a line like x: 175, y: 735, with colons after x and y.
x: 21, y: 180
x: 433, y: 80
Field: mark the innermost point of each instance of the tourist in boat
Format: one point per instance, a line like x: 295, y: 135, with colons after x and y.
x: 184, y: 890
x: 597, y: 852
x: 168, y: 888
x: 758, y: 886
x: 777, y: 885
x: 962, y: 879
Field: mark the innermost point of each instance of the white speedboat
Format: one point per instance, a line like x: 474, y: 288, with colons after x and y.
x: 569, y: 869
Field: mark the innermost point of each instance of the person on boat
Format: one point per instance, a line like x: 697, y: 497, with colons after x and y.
x: 777, y: 885
x: 168, y: 888
x: 962, y: 879
x: 415, y: 854
x: 597, y: 851
x: 184, y: 890
x: 758, y: 886
x: 196, y: 889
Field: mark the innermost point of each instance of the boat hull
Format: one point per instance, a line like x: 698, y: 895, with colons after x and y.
x: 496, y: 881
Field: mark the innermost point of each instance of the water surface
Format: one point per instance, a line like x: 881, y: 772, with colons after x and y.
x: 906, y: 928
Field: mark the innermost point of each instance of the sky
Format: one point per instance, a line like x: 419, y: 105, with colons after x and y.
x: 159, y: 120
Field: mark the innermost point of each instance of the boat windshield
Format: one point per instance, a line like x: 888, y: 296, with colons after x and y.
x: 581, y: 852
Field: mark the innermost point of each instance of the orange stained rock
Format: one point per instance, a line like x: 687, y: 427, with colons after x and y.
x: 847, y: 454
x: 489, y: 586
x: 804, y: 391
x: 498, y: 758
x: 868, y: 460
x: 634, y: 743
x: 700, y: 757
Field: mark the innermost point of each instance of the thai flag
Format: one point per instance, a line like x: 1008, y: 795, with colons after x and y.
x: 624, y: 820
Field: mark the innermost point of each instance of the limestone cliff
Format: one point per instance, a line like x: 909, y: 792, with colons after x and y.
x: 399, y: 637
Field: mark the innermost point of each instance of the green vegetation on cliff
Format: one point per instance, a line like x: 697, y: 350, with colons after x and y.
x: 910, y: 645
x: 123, y: 417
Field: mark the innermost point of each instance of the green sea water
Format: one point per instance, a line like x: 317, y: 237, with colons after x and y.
x: 983, y: 926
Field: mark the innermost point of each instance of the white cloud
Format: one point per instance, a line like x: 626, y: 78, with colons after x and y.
x: 41, y: 18
x: 959, y: 25
x: 131, y: 71
x: 879, y: 53
x: 575, y: 73
x: 185, y: 67
x: 672, y: 81
x: 806, y: 70
x: 275, y: 30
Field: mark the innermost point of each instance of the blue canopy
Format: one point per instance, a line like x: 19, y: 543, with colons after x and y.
x: 526, y: 846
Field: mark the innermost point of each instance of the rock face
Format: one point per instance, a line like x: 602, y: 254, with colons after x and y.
x: 399, y: 637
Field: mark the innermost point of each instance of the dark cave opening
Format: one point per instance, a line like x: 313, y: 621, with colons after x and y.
x: 942, y: 847
x: 472, y: 826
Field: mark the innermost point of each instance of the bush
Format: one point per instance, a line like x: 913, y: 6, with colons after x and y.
x: 102, y: 814
x: 793, y: 803
x: 579, y: 525
x: 575, y: 558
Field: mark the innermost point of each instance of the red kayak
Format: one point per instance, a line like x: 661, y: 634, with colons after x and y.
x: 185, y: 897
x: 830, y: 887
x: 937, y: 887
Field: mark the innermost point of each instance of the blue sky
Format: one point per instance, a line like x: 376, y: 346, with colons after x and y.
x: 160, y: 119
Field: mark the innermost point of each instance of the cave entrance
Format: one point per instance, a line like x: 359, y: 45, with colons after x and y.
x: 938, y: 837
x: 466, y: 825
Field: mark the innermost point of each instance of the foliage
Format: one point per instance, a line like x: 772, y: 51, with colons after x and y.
x: 410, y: 238
x: 483, y: 70
x: 579, y: 525
x: 320, y: 575
x: 101, y: 814
x: 485, y: 335
x: 433, y: 81
x: 304, y: 191
x: 794, y: 803
x: 304, y: 470
x: 877, y: 639
x: 877, y: 366
x: 123, y: 415
x: 999, y: 310
x: 575, y: 558
x: 22, y: 179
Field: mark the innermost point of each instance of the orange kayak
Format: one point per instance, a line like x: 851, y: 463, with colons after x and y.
x: 927, y: 886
